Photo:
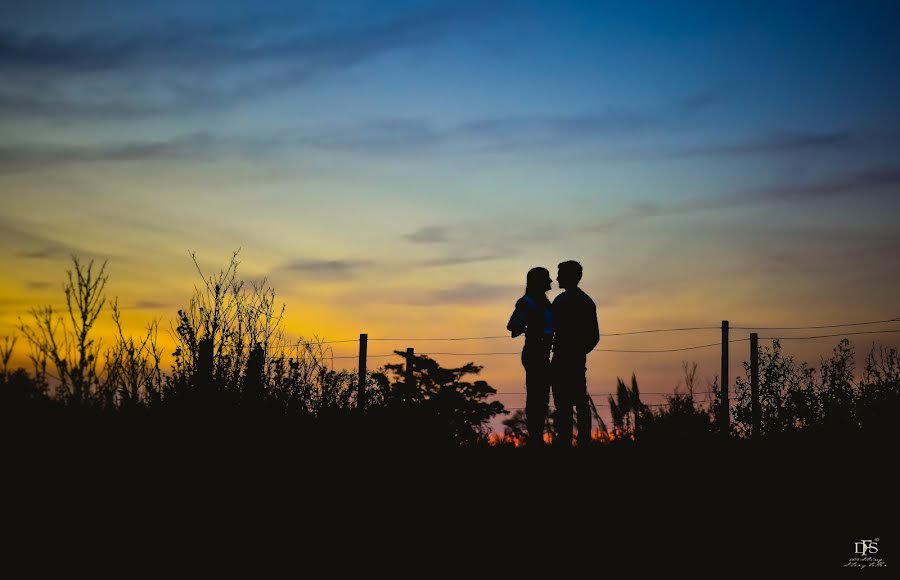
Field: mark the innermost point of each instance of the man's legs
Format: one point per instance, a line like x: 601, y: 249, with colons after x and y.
x: 582, y: 407
x: 562, y: 400
x: 583, y: 410
x: 562, y: 422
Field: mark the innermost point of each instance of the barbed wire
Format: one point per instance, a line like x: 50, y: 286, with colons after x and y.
x: 367, y: 356
x: 604, y: 405
x: 897, y: 319
x: 301, y: 342
x: 829, y: 335
x: 509, y: 353
x: 632, y: 332
x: 462, y: 338
x: 432, y: 339
x: 668, y: 349
x: 631, y: 351
x: 642, y: 393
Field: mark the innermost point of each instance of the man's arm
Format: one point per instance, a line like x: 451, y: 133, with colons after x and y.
x: 593, y: 330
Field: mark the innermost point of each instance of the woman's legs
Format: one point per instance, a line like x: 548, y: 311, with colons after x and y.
x: 537, y: 390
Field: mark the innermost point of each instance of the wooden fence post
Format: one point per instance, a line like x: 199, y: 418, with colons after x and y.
x: 361, y: 394
x: 754, y: 385
x: 725, y: 419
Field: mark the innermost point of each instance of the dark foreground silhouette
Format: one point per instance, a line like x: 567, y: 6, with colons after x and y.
x: 235, y: 440
x: 214, y: 480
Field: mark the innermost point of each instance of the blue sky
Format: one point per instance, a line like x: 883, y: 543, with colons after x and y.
x: 398, y: 165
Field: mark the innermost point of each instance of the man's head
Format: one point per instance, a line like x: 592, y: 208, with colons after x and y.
x: 569, y: 274
x: 538, y: 281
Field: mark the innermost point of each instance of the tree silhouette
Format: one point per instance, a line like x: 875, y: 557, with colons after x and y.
x: 832, y: 401
x: 786, y: 393
x: 878, y: 400
x: 134, y: 366
x: 6, y: 351
x: 515, y: 426
x: 457, y: 406
x: 66, y: 339
x: 681, y: 419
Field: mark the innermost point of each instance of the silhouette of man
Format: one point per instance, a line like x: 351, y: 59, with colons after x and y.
x: 533, y: 317
x: 577, y: 333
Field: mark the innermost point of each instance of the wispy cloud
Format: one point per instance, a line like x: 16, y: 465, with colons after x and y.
x: 38, y: 284
x: 473, y: 294
x: 773, y: 143
x: 879, y: 181
x: 374, y: 137
x: 700, y: 101
x: 461, y: 260
x: 466, y: 294
x: 32, y: 244
x: 508, y: 133
x: 325, y: 269
x: 377, y: 136
x: 472, y: 243
x: 54, y: 252
x: 151, y: 305
x: 554, y: 129
x: 35, y: 242
x: 194, y: 146
x: 430, y: 235
x: 191, y: 66
x: 876, y: 181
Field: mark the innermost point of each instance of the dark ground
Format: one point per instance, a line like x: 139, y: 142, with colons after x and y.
x: 795, y: 505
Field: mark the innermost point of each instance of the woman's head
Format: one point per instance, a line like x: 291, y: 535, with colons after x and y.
x: 538, y: 282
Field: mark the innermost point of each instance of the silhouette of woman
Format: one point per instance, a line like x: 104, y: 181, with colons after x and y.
x: 533, y: 317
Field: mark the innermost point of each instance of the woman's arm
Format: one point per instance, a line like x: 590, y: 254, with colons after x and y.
x: 517, y: 322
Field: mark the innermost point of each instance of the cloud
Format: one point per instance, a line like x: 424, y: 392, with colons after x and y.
x: 473, y: 294
x: 54, y: 252
x: 191, y: 66
x: 151, y: 305
x: 876, y: 181
x: 869, y: 252
x: 516, y: 132
x: 461, y: 260
x: 508, y: 132
x: 882, y: 181
x: 201, y: 46
x: 27, y: 240
x: 430, y: 235
x: 326, y: 269
x: 466, y: 294
x: 778, y: 142
x: 194, y: 146
x: 374, y: 137
x: 58, y: 107
x: 473, y: 243
x: 378, y: 136
x: 699, y: 102
x: 381, y: 136
x: 38, y: 284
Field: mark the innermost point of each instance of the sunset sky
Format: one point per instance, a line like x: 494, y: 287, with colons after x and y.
x: 396, y: 168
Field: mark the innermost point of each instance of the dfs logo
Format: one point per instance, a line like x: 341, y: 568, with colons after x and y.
x: 866, y: 547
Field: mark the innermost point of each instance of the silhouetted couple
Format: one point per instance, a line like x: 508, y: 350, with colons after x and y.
x: 569, y: 330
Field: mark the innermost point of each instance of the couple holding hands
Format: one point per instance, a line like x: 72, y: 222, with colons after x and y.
x: 567, y: 329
